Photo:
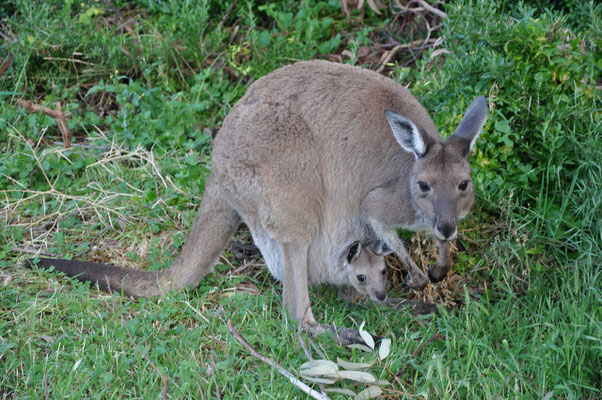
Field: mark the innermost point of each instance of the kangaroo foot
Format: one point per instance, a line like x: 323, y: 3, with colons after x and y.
x: 437, y: 272
x: 416, y: 280
x: 343, y: 336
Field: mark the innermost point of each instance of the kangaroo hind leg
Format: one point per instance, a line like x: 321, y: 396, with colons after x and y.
x: 295, y: 293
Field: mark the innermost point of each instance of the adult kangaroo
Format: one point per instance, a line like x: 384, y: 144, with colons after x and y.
x: 310, y: 145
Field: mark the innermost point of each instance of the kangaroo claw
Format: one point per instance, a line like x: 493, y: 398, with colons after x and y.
x: 436, y: 273
x: 417, y: 282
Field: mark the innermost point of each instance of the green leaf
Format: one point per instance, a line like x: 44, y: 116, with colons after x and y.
x: 264, y: 38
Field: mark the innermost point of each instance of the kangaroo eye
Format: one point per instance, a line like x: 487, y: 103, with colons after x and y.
x: 463, y: 185
x: 384, y: 271
x: 424, y: 187
x: 361, y: 278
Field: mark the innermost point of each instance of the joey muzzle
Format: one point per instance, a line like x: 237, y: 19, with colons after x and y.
x: 380, y: 296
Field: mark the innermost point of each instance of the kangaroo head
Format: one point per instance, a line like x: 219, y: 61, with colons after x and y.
x: 440, y: 178
x: 366, y: 269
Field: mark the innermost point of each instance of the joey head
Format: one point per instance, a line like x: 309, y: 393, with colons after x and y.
x: 344, y: 254
x: 366, y: 272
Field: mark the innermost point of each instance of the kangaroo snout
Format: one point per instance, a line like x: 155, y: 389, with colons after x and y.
x: 446, y: 230
x: 381, y: 296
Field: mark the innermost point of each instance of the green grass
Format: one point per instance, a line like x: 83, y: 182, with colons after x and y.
x: 143, y: 115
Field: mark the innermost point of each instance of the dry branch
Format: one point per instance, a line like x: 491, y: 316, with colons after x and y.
x: 306, y: 350
x: 386, y: 58
x: 138, y: 349
x: 56, y: 114
x: 228, y: 13
x: 6, y: 61
x: 415, y: 307
x: 419, y: 349
x: 432, y: 9
x: 272, y: 363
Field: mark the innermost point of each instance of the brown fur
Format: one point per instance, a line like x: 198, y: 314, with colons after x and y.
x: 310, y: 145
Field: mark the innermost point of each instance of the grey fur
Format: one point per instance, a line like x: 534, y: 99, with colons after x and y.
x: 309, y: 148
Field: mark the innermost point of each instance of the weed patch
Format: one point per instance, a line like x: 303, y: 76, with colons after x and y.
x: 144, y: 86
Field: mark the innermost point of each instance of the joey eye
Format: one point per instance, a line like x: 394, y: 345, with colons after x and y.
x: 463, y: 185
x: 361, y: 278
x: 384, y: 271
x: 424, y: 187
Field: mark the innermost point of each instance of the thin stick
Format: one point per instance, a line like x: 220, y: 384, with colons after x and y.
x: 432, y: 9
x: 163, y: 377
x: 219, y: 395
x: 228, y: 13
x: 391, y: 53
x: 29, y: 251
x: 72, y: 60
x: 46, y: 381
x: 419, y: 349
x: 274, y: 364
x: 56, y: 114
x: 304, y: 346
x: 5, y: 63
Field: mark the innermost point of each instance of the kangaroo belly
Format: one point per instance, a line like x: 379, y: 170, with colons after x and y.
x: 271, y: 252
x: 319, y: 269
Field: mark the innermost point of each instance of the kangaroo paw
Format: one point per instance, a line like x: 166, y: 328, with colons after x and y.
x: 416, y: 281
x: 437, y: 272
x: 343, y: 336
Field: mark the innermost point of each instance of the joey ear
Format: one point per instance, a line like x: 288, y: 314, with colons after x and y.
x: 468, y: 131
x: 381, y: 248
x: 353, y: 251
x: 407, y: 134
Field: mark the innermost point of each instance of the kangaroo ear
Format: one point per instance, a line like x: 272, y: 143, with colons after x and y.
x: 381, y: 248
x: 353, y: 251
x: 407, y: 134
x: 468, y: 131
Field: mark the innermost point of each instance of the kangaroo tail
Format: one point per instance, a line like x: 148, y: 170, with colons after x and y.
x: 108, y: 277
x: 215, y: 224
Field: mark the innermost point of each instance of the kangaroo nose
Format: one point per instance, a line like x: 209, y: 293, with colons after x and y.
x: 446, y: 229
x: 381, y: 296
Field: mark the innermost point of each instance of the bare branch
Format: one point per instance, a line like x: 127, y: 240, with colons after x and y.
x: 432, y: 9
x: 56, y: 114
x: 272, y: 363
x: 163, y: 377
x: 386, y: 58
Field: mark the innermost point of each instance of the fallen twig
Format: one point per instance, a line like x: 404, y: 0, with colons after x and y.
x: 386, y: 58
x: 305, y: 349
x: 6, y: 61
x: 46, y: 382
x: 29, y: 251
x: 71, y: 60
x: 56, y: 114
x: 432, y: 9
x: 163, y: 377
x: 217, y: 391
x: 347, y: 336
x: 228, y: 13
x: 416, y: 307
x: 272, y: 363
x: 419, y: 349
